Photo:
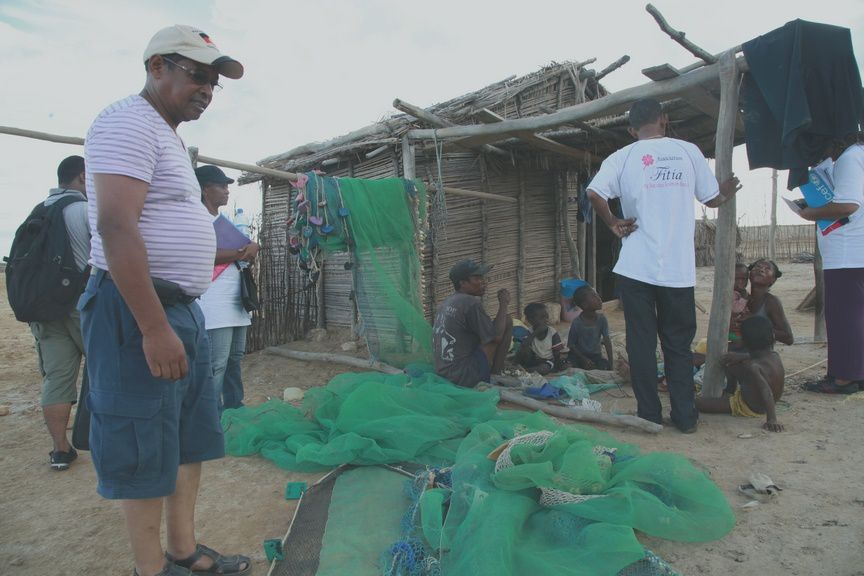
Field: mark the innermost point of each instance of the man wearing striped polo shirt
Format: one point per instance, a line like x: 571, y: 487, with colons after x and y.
x: 154, y: 410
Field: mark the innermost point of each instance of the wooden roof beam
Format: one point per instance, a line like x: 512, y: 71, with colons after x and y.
x: 438, y: 122
x: 605, y: 106
x: 680, y: 37
x: 204, y: 159
x: 699, y: 97
x: 611, y: 67
x: 487, y: 116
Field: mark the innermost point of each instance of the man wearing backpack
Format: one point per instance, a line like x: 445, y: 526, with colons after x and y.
x: 58, y: 342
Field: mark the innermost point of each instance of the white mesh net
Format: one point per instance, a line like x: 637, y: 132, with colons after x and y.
x: 554, y: 496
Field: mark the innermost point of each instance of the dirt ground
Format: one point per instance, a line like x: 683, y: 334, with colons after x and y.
x: 54, y: 523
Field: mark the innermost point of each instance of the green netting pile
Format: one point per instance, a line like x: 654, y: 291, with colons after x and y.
x: 378, y: 222
x: 561, y: 500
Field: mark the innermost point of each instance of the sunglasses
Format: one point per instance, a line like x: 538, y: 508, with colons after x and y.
x: 199, y: 76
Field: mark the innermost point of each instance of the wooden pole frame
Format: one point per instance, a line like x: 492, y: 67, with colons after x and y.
x: 680, y: 37
x: 772, y: 230
x: 281, y: 174
x: 819, y: 330
x: 572, y: 246
x: 607, y: 105
x: 724, y: 242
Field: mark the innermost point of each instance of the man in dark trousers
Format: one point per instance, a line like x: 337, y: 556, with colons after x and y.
x: 657, y: 178
x: 468, y: 345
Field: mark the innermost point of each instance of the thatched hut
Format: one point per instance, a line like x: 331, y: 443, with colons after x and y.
x: 513, y: 203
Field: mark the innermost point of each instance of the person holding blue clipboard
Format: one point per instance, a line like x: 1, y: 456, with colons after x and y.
x: 842, y: 249
x: 225, y: 318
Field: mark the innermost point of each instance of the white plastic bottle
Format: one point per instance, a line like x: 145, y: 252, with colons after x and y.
x: 242, y: 222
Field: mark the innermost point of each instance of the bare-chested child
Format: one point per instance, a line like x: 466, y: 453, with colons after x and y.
x: 754, y: 380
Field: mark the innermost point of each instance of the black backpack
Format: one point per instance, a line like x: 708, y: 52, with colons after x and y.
x: 42, y: 279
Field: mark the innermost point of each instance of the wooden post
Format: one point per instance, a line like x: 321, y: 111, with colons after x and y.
x: 193, y: 156
x: 724, y: 243
x: 819, y: 334
x: 559, y: 215
x: 572, y: 247
x: 408, y: 159
x: 319, y: 292
x: 484, y: 216
x: 591, y: 252
x: 772, y: 230
x: 520, y: 265
x: 582, y: 240
x: 355, y: 317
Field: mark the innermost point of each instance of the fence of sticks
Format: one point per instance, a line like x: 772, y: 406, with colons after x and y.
x: 752, y: 242
x: 790, y: 242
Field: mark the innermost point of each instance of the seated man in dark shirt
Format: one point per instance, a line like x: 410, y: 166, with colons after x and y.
x: 468, y: 345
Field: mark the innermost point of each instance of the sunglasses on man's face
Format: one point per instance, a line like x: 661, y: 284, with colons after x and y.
x: 199, y: 76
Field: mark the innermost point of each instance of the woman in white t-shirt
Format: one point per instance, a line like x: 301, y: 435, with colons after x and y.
x: 225, y: 318
x: 842, y: 252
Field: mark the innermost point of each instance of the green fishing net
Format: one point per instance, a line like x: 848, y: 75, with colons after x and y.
x: 379, y: 222
x: 552, y: 500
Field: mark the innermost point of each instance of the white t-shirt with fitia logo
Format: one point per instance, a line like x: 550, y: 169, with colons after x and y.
x: 657, y: 180
x: 131, y: 139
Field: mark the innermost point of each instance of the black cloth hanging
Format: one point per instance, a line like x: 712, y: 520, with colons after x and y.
x: 803, y: 91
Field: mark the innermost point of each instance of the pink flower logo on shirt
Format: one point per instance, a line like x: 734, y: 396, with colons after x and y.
x: 647, y: 160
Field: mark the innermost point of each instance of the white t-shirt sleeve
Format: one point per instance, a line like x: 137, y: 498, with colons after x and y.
x: 78, y: 230
x: 707, y: 188
x: 607, y: 181
x: 122, y: 142
x: 849, y: 177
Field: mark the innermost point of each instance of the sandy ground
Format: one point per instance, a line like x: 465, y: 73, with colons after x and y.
x: 54, y: 523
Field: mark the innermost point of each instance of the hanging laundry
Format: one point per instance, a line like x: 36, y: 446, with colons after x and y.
x: 803, y: 91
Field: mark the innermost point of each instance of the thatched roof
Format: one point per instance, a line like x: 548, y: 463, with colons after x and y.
x: 558, y: 86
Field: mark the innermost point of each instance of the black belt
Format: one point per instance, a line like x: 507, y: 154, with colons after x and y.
x: 169, y: 293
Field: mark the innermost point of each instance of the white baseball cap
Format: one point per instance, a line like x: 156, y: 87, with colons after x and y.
x: 192, y: 43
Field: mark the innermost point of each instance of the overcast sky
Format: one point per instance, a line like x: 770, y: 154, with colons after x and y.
x: 315, y: 70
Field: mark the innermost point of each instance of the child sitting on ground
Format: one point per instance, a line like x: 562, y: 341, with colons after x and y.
x: 541, y: 350
x: 587, y: 331
x: 754, y: 380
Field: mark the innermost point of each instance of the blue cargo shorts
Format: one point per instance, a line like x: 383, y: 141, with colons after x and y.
x: 142, y: 427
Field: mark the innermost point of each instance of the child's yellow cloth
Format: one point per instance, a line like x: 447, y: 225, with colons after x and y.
x: 740, y: 408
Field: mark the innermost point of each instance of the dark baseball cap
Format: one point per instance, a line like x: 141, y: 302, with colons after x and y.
x: 464, y: 269
x: 211, y: 175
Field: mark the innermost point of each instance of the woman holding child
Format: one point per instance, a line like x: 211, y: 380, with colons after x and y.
x: 843, y: 264
x: 763, y: 274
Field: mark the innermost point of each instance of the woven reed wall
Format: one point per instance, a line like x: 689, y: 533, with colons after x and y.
x: 289, y: 306
x: 483, y: 230
x: 489, y: 230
